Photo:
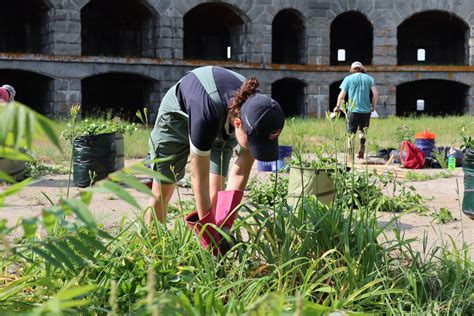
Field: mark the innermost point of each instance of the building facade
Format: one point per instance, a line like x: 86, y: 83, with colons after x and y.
x: 123, y: 55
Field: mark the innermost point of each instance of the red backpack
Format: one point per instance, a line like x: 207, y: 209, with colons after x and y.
x: 410, y: 156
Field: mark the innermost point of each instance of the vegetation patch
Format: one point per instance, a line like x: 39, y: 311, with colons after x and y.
x: 312, y: 259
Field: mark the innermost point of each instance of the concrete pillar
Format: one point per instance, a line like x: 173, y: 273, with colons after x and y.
x: 64, y: 31
x: 170, y: 37
x: 64, y: 92
x: 385, y: 43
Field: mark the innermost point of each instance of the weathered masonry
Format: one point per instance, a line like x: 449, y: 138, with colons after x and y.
x: 122, y: 55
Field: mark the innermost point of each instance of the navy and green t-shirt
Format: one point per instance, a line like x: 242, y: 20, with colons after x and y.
x: 207, y: 119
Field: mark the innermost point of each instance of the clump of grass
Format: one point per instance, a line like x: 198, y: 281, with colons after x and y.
x: 443, y: 216
x: 417, y: 176
x: 35, y: 169
x: 269, y: 192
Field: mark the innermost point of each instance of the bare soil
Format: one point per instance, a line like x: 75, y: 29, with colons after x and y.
x: 447, y: 192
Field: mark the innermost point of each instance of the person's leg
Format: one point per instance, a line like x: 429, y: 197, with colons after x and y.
x: 159, y: 202
x: 169, y: 138
x: 362, y: 144
x: 363, y: 125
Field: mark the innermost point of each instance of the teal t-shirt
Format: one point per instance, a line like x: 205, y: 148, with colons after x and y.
x: 358, y: 86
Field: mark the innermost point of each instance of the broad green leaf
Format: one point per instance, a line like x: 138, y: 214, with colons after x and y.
x: 60, y: 256
x: 30, y: 225
x: 153, y: 174
x: 49, y: 221
x: 48, y: 258
x: 48, y: 130
x: 29, y: 128
x: 86, y: 197
x: 81, y: 248
x: 81, y: 210
x: 131, y: 181
x: 13, y: 154
x: 70, y: 293
x: 64, y: 246
x: 111, y: 187
x: 6, y: 177
x: 75, y: 303
x: 19, y: 125
x: 92, y: 241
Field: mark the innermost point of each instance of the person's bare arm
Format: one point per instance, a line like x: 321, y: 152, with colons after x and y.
x: 200, y: 182
x: 375, y: 97
x: 340, y: 99
x: 239, y: 173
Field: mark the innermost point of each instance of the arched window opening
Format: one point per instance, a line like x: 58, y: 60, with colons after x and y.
x: 352, y: 32
x: 288, y: 38
x: 117, y: 28
x: 23, y: 26
x: 440, y: 97
x: 213, y: 31
x: 290, y: 94
x: 32, y: 89
x: 116, y: 94
x: 441, y: 35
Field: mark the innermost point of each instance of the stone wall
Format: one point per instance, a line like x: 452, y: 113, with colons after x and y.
x: 252, y: 40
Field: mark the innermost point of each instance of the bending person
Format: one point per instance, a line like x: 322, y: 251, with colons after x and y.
x: 207, y: 113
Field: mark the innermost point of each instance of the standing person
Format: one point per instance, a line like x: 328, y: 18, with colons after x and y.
x: 207, y: 113
x: 358, y: 85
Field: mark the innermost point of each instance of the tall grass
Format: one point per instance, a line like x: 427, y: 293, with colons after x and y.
x: 312, y: 132
x: 382, y: 133
x: 309, y: 260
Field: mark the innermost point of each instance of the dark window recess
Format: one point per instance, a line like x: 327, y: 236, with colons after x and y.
x: 352, y: 32
x: 209, y: 29
x: 288, y: 37
x: 334, y: 93
x: 115, y: 94
x: 23, y: 26
x: 442, y: 35
x: 117, y: 28
x: 32, y: 89
x: 289, y: 93
x: 442, y: 97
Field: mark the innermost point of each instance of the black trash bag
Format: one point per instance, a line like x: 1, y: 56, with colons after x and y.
x: 468, y: 169
x: 95, y: 154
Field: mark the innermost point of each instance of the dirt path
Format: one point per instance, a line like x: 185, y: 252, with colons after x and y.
x: 107, y: 209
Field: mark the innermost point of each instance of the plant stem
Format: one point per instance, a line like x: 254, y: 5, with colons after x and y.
x: 70, y: 158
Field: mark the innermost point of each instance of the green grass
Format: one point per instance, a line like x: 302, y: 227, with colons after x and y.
x: 311, y: 132
x: 136, y: 146
x: 310, y: 260
x: 416, y: 176
x: 382, y: 132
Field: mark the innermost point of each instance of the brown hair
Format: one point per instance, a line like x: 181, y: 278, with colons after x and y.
x: 358, y: 69
x: 249, y: 87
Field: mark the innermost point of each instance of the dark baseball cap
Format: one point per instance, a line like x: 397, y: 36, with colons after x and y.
x: 263, y: 120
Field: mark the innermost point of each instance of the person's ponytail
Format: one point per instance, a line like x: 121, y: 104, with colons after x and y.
x: 249, y: 87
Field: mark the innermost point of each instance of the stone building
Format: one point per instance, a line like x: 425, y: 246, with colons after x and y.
x: 122, y: 55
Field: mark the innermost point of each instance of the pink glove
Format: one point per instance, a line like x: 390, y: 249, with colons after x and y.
x: 225, y: 212
x: 209, y: 239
